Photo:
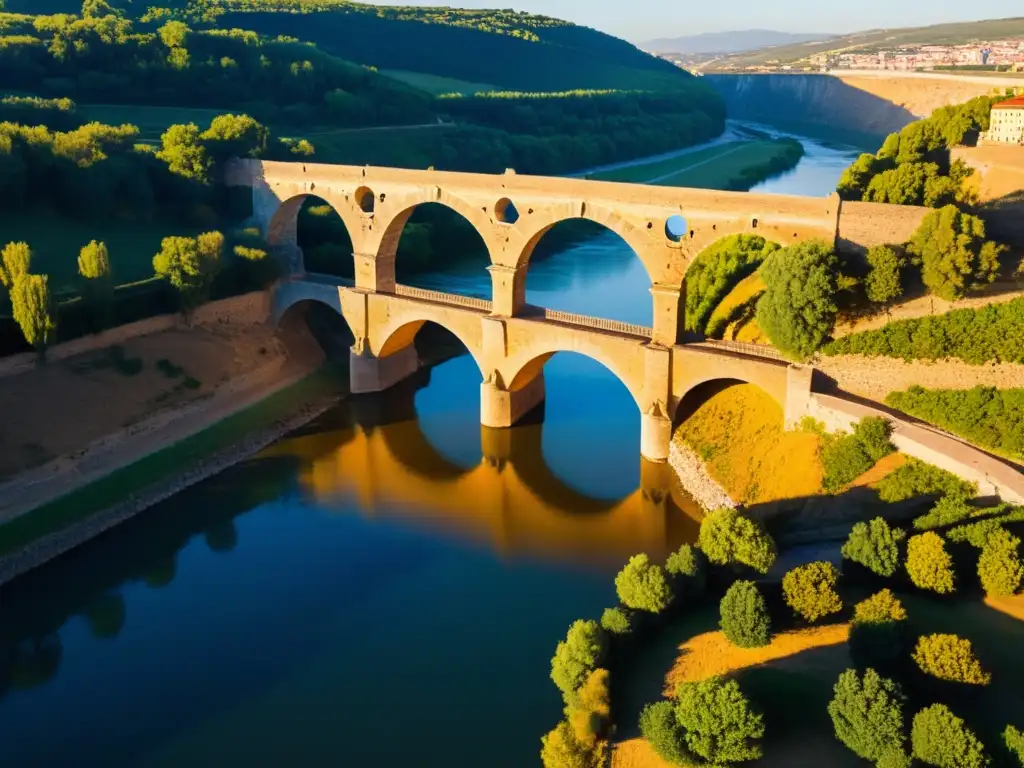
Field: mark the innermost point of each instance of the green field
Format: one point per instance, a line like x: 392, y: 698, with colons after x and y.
x: 710, y: 168
x: 152, y: 121
x: 436, y: 84
x: 56, y: 241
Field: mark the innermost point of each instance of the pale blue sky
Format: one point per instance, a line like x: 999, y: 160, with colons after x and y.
x: 639, y: 20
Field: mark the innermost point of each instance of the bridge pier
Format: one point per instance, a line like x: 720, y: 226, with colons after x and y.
x: 655, y: 436
x: 500, y: 407
x: 369, y: 373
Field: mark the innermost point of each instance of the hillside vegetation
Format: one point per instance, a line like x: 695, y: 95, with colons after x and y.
x: 957, y: 33
x: 505, y: 48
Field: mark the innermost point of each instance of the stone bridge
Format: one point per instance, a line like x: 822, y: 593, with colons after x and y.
x: 510, y: 340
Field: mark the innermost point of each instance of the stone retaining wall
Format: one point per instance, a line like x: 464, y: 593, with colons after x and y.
x: 248, y: 309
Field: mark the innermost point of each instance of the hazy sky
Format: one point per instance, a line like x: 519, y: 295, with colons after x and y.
x: 639, y: 20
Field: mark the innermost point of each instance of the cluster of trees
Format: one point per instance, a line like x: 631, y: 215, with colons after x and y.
x: 105, y: 57
x: 986, y: 416
x: 101, y: 170
x: 913, y: 166
x: 195, y: 267
x: 993, y: 333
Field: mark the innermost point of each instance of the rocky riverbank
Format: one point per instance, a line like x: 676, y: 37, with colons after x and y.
x: 694, y: 478
x: 49, y: 547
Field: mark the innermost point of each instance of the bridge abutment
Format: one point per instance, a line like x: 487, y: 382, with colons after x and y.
x: 798, y: 394
x: 500, y: 407
x: 369, y: 373
x: 655, y: 436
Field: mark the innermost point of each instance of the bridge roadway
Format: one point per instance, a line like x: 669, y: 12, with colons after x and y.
x: 510, y: 353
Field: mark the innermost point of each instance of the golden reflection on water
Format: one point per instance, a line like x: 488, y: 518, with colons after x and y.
x: 510, y: 502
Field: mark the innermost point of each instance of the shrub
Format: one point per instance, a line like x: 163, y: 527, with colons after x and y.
x: 745, y: 620
x: 929, y: 565
x: 993, y: 333
x: 798, y: 309
x: 561, y: 749
x: 641, y: 585
x: 940, y: 738
x: 590, y: 711
x: 977, y: 534
x: 884, y: 281
x: 1014, y: 739
x: 948, y: 657
x: 999, y: 566
x: 954, y: 256
x: 615, y: 621
x: 716, y: 270
x: 810, y: 590
x: 916, y: 478
x: 986, y: 416
x: 34, y: 311
x: 659, y: 726
x: 15, y: 263
x: 879, y: 635
x: 688, y: 568
x: 947, y: 511
x: 876, y: 546
x: 729, y: 536
x: 98, y: 291
x: 867, y: 714
x: 577, y: 656
x: 721, y: 726
x: 844, y: 457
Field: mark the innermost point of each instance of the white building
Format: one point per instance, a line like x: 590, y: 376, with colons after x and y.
x: 1007, y: 123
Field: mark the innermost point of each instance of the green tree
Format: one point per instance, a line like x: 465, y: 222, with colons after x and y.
x: 577, y: 656
x: 999, y: 565
x: 641, y: 585
x: 810, y: 590
x: 590, y: 712
x: 236, y: 136
x: 797, y: 310
x: 954, y: 256
x: 1014, y: 739
x: 174, y: 34
x: 94, y: 269
x: 879, y: 633
x: 190, y: 264
x: 716, y: 270
x: 730, y: 536
x: 97, y: 9
x: 661, y: 729
x: 940, y: 738
x: 867, y: 714
x: 857, y: 176
x: 15, y: 262
x: 687, y: 567
x: 616, y: 621
x: 929, y: 565
x: 33, y: 310
x: 884, y: 282
x: 720, y: 724
x: 952, y: 658
x: 745, y: 620
x: 185, y: 153
x: 904, y: 185
x: 876, y: 546
x: 561, y: 749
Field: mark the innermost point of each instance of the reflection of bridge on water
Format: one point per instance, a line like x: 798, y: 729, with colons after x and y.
x: 378, y: 455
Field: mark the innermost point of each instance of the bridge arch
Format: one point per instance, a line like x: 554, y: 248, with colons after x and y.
x: 392, y: 217
x: 401, y: 329
x: 697, y: 375
x: 526, y: 368
x: 283, y: 235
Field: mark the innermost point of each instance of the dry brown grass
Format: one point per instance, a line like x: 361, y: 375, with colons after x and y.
x: 740, y: 435
x: 745, y: 293
x: 59, y: 408
x: 711, y: 654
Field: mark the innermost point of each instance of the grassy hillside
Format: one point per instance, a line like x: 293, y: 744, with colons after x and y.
x: 938, y: 34
x: 505, y: 48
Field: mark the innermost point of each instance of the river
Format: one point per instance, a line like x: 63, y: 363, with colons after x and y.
x: 384, y: 588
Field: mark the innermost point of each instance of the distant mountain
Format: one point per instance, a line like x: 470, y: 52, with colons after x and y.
x: 728, y: 42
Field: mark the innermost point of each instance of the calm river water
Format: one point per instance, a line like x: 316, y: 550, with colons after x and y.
x: 383, y: 589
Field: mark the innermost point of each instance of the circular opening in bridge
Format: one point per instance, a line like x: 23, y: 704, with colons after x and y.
x: 364, y: 199
x: 676, y: 228
x: 505, y: 211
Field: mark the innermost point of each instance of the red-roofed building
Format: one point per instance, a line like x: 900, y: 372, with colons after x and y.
x: 1007, y: 123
